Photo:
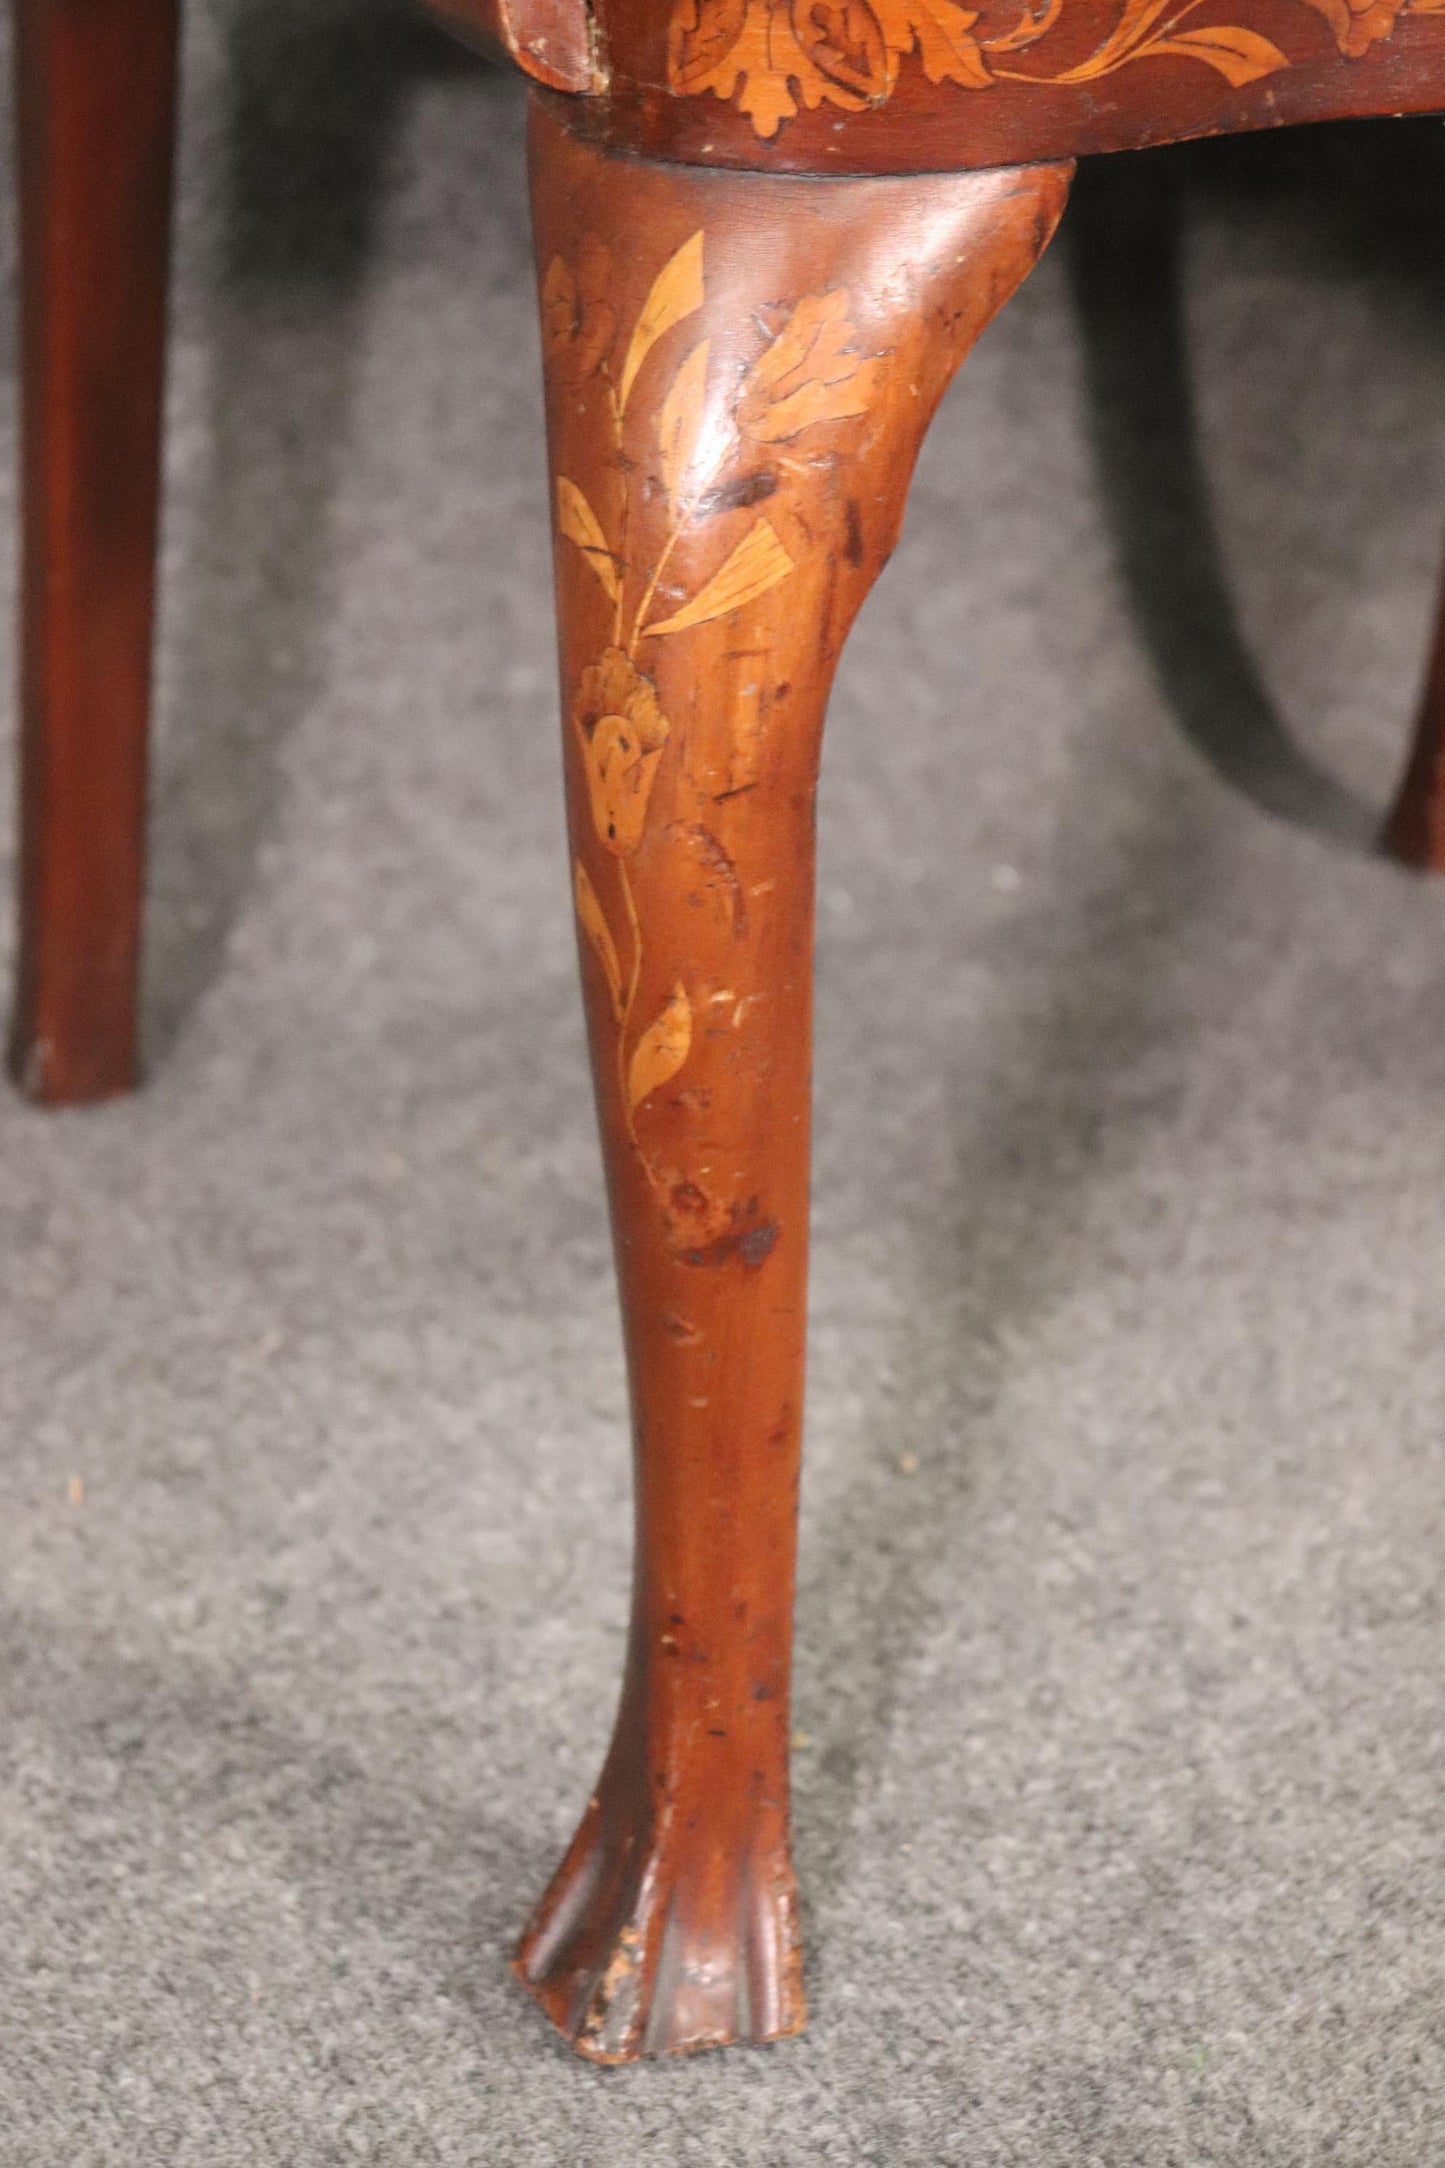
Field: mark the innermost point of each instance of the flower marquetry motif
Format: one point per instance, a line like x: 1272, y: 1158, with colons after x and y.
x: 695, y: 447
x: 771, y: 55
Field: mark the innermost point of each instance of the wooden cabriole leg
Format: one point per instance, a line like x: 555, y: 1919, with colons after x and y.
x: 95, y: 95
x: 739, y: 373
x: 1415, y: 831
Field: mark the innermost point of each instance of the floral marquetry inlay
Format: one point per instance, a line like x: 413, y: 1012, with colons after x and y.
x: 768, y: 55
x: 703, y: 456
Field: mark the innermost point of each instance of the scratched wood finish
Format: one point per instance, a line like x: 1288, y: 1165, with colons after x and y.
x: 550, y: 40
x: 1415, y: 831
x: 739, y: 373
x: 95, y: 82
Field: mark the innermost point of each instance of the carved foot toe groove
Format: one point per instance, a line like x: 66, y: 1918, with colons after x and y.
x: 640, y: 1949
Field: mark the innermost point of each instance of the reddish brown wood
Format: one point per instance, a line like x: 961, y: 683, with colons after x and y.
x: 739, y: 373
x: 1415, y: 831
x: 95, y: 118
x: 885, y: 86
x: 551, y: 40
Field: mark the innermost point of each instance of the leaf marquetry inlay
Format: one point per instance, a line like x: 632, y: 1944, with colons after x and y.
x: 768, y: 56
x: 696, y: 446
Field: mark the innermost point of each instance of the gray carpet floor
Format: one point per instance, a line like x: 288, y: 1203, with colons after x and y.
x: 1119, y: 1816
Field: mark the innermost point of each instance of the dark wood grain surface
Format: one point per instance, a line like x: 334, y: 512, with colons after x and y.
x: 96, y: 102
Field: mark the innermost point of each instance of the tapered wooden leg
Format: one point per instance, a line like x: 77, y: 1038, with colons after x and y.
x: 739, y: 371
x: 95, y: 83
x: 1415, y: 831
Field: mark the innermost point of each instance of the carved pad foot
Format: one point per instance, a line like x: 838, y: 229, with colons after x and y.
x: 656, y: 1942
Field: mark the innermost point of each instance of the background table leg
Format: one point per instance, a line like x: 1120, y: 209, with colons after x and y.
x: 95, y: 83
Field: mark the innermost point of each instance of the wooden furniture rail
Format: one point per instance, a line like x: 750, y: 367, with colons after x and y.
x: 768, y: 231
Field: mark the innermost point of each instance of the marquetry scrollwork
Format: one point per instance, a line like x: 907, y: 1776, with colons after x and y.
x: 767, y: 56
